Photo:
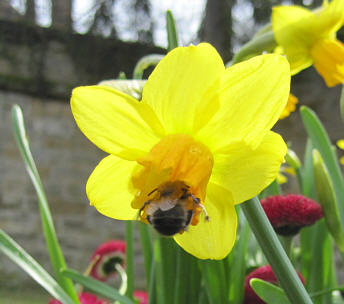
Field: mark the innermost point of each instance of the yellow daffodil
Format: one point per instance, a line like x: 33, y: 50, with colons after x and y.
x: 199, y: 139
x: 290, y: 107
x: 309, y: 37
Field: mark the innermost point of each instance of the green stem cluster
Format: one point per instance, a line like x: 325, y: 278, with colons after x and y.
x: 274, y: 252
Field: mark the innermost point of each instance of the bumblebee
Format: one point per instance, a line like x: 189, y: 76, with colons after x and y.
x: 171, y: 208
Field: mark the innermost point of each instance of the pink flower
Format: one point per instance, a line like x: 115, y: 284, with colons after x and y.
x: 142, y: 296
x: 264, y: 273
x: 288, y: 214
x: 107, y: 255
x: 85, y: 298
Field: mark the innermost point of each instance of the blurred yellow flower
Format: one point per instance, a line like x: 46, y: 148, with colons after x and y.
x: 309, y: 37
x: 197, y: 143
x: 340, y: 145
x: 290, y: 107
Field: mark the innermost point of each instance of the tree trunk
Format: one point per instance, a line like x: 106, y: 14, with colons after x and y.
x: 62, y: 14
x: 30, y: 13
x: 216, y: 27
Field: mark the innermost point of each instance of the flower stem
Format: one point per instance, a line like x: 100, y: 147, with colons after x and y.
x: 287, y: 243
x: 274, y: 252
x: 129, y: 258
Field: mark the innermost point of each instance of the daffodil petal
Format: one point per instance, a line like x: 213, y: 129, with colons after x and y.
x: 244, y: 171
x: 109, y: 188
x: 331, y: 18
x: 252, y: 96
x: 177, y: 85
x: 296, y: 29
x: 288, y: 23
x: 215, y: 238
x: 114, y: 121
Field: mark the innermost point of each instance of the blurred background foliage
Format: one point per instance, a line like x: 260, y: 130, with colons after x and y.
x: 226, y: 24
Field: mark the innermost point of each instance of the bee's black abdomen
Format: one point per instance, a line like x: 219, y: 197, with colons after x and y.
x: 171, y: 221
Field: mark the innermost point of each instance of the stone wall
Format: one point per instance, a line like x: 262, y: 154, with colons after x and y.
x: 38, y: 69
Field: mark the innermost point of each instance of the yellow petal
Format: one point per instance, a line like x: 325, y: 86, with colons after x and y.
x: 109, y: 188
x: 244, y: 171
x: 177, y: 85
x: 212, y: 239
x: 331, y: 18
x: 288, y: 23
x: 296, y: 29
x: 115, y: 122
x: 252, y: 95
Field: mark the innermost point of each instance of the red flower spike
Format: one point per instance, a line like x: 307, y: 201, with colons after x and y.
x: 107, y: 255
x: 85, y: 298
x: 264, y: 273
x: 142, y: 296
x: 288, y: 214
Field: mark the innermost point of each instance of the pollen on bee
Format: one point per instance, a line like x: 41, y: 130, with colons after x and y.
x: 171, y: 208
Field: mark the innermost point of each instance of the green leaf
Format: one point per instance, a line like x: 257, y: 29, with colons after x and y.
x: 172, y: 36
x: 237, y: 266
x: 160, y: 284
x: 322, y: 143
x: 308, y: 189
x: 165, y: 255
x: 188, y: 279
x: 213, y: 274
x: 269, y: 293
x: 55, y: 253
x: 19, y: 256
x: 96, y: 286
x: 328, y: 201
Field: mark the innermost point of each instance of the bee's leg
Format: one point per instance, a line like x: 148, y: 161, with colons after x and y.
x: 141, y: 209
x: 150, y: 193
x: 197, y: 201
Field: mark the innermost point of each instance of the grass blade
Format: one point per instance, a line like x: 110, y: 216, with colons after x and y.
x: 96, y: 286
x: 55, y: 253
x: 172, y: 36
x: 19, y: 256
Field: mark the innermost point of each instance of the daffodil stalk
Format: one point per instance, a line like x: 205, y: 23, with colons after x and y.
x: 262, y: 43
x: 274, y: 252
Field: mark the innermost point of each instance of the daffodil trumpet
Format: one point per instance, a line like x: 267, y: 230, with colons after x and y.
x: 197, y: 143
